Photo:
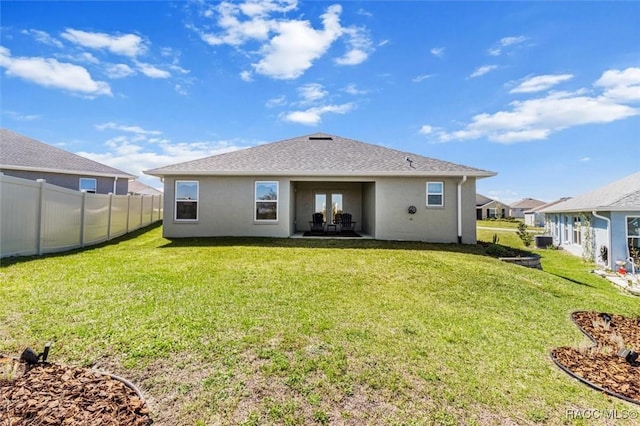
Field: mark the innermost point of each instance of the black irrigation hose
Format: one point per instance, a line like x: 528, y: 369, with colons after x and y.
x: 124, y: 381
x: 582, y: 379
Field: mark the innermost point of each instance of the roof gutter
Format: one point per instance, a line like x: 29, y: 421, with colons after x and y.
x: 606, y: 219
x: 464, y: 179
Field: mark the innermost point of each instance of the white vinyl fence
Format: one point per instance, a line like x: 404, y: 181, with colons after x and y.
x: 38, y: 218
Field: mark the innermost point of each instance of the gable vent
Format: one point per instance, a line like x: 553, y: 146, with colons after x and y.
x: 320, y: 138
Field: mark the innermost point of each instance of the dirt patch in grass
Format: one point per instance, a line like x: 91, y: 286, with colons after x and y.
x: 53, y: 394
x: 600, y: 364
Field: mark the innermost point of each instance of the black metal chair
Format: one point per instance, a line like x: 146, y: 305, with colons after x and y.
x: 346, y: 223
x: 317, y: 224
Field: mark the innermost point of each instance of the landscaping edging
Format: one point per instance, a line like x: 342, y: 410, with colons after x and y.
x: 584, y: 380
x: 527, y: 261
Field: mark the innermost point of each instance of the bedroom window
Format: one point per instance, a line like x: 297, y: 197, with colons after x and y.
x: 88, y: 185
x: 633, y: 236
x: 435, y: 194
x: 266, y: 201
x: 187, y: 192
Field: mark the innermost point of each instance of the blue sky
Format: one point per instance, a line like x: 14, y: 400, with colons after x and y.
x: 546, y: 94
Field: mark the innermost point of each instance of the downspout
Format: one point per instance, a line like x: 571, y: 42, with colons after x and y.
x: 464, y: 179
x: 115, y: 181
x: 606, y: 219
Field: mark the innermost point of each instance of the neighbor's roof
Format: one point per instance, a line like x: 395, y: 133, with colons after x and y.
x: 544, y: 206
x: 319, y: 154
x: 527, y: 204
x: 18, y: 152
x: 623, y: 194
x: 137, y: 187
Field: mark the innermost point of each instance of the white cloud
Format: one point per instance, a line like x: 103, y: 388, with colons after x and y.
x: 422, y: 77
x: 360, y: 47
x: 246, y: 76
x: 426, y: 129
x: 286, y: 47
x: 311, y: 92
x: 128, y: 44
x: 622, y: 86
x: 290, y: 53
x: 142, y: 152
x: 275, y: 102
x: 129, y: 129
x: 44, y: 38
x: 313, y: 116
x: 480, y: 71
x: 437, y: 51
x: 21, y: 117
x: 584, y: 159
x: 152, y: 71
x: 49, y: 72
x: 540, y: 83
x: 536, y: 119
x: 119, y: 70
x: 506, y: 42
x: 352, y: 89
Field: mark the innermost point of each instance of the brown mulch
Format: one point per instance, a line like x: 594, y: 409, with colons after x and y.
x: 599, y: 364
x: 51, y: 394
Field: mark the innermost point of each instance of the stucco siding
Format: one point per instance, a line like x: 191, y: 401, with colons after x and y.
x: 434, y: 224
x: 226, y: 207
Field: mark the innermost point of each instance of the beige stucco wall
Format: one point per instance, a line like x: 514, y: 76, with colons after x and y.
x: 434, y: 224
x: 226, y: 208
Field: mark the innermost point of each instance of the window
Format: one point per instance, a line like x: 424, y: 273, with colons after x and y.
x: 88, y: 185
x: 633, y: 236
x: 336, y: 205
x: 435, y: 194
x: 187, y: 200
x: 577, y: 230
x: 491, y: 213
x: 321, y: 204
x: 267, y: 201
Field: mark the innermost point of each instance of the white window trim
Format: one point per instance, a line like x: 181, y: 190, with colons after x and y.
x: 435, y: 193
x: 176, y: 201
x: 95, y: 181
x: 256, y: 201
x: 626, y: 231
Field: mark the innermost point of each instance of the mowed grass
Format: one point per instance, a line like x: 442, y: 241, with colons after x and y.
x: 271, y: 331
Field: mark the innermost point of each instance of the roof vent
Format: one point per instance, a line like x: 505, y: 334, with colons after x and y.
x: 320, y: 138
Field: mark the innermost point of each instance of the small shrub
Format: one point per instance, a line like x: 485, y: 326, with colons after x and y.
x: 524, y: 235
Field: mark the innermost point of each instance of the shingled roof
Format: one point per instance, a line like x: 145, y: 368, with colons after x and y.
x: 623, y: 194
x: 319, y: 154
x: 20, y: 152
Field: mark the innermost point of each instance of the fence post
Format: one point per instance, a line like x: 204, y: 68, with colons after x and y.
x: 40, y: 224
x: 82, y: 217
x: 128, y: 210
x: 141, y: 209
x: 110, y: 216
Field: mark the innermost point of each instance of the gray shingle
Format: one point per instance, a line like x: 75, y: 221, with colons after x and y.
x: 319, y: 154
x: 623, y: 194
x: 21, y: 152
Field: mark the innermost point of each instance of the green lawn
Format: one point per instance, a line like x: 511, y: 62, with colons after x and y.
x: 268, y: 331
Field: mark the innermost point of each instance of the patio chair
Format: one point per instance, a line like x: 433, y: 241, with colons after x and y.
x: 317, y: 224
x: 346, y: 224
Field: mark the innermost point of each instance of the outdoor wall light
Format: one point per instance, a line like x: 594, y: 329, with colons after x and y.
x: 412, y: 210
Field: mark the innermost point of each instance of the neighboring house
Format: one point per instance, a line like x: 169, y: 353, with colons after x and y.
x: 273, y: 190
x: 602, y: 225
x: 138, y: 188
x: 517, y: 209
x: 488, y: 208
x: 535, y: 216
x: 27, y: 158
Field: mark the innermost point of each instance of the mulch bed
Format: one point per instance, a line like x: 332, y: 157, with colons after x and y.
x: 599, y: 365
x: 51, y: 394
